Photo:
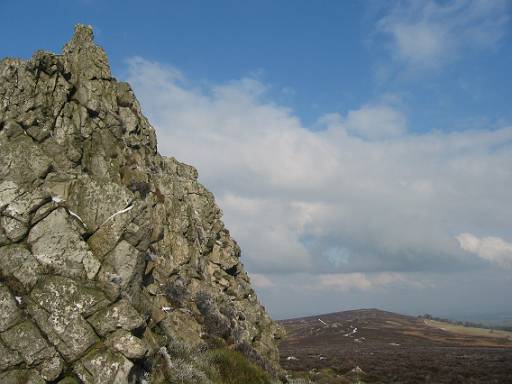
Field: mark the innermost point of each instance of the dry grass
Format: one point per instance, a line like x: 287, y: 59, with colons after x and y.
x: 184, y: 365
x: 393, y: 349
x: 469, y: 331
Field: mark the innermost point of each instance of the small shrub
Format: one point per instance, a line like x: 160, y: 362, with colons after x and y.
x: 234, y: 368
x: 178, y: 349
x: 140, y: 186
x: 228, y: 310
x: 185, y: 372
x: 204, y: 302
x: 176, y: 291
x: 253, y: 356
x: 184, y: 365
x: 215, y: 323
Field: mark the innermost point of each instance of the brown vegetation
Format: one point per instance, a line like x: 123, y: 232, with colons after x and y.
x: 372, y: 346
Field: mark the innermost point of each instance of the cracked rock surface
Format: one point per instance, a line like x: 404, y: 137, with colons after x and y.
x: 108, y: 251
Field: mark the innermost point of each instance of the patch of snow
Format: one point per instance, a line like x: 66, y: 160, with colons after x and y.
x: 166, y: 309
x: 57, y: 199
x: 151, y: 255
x: 354, y: 331
x: 128, y: 208
x: 18, y: 299
x: 357, y: 370
x: 323, y: 358
x: 323, y: 322
x: 394, y: 344
x: 291, y: 358
x: 78, y: 217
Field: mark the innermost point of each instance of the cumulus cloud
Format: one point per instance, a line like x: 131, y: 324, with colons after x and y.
x: 370, y: 122
x: 346, y: 282
x: 362, y: 194
x: 431, y: 33
x: 493, y: 249
x: 271, y: 242
x: 261, y: 281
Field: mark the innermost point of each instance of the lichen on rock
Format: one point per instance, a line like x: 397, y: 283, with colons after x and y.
x: 109, y: 251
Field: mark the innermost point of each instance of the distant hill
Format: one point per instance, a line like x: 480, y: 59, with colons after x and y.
x: 496, y: 320
x: 375, y: 346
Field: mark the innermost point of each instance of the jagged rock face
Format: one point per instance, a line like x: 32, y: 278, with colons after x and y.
x: 107, y: 249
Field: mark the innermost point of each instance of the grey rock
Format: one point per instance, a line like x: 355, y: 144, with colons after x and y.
x: 22, y: 160
x: 95, y: 202
x: 14, y: 229
x: 9, y: 190
x: 9, y: 311
x: 57, y: 293
x: 57, y: 245
x: 109, y: 233
x: 26, y: 339
x: 130, y: 346
x: 59, y: 306
x: 18, y: 264
x: 103, y: 367
x: 120, y: 315
x: 50, y: 369
x: 120, y: 262
x: 21, y: 376
x: 67, y: 330
x: 107, y: 249
x: 8, y: 357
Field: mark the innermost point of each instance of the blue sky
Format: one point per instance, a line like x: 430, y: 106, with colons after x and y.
x: 318, y: 58
x: 360, y: 150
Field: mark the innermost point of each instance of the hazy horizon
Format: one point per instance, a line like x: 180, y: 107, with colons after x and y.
x: 497, y: 318
x: 361, y: 153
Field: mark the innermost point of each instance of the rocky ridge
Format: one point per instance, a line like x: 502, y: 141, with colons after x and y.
x: 108, y: 251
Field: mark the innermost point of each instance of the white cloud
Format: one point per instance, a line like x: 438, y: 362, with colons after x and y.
x: 345, y: 282
x: 446, y: 295
x: 308, y: 283
x: 271, y: 241
x: 371, y: 122
x: 363, y: 187
x: 340, y: 282
x: 430, y: 33
x: 493, y: 249
x: 261, y: 281
x: 349, y: 281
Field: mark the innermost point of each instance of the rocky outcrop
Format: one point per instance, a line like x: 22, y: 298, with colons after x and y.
x: 108, y: 251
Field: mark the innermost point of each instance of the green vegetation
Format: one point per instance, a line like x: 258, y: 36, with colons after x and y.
x: 219, y: 365
x: 233, y: 368
x: 468, y: 324
x: 324, y: 376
